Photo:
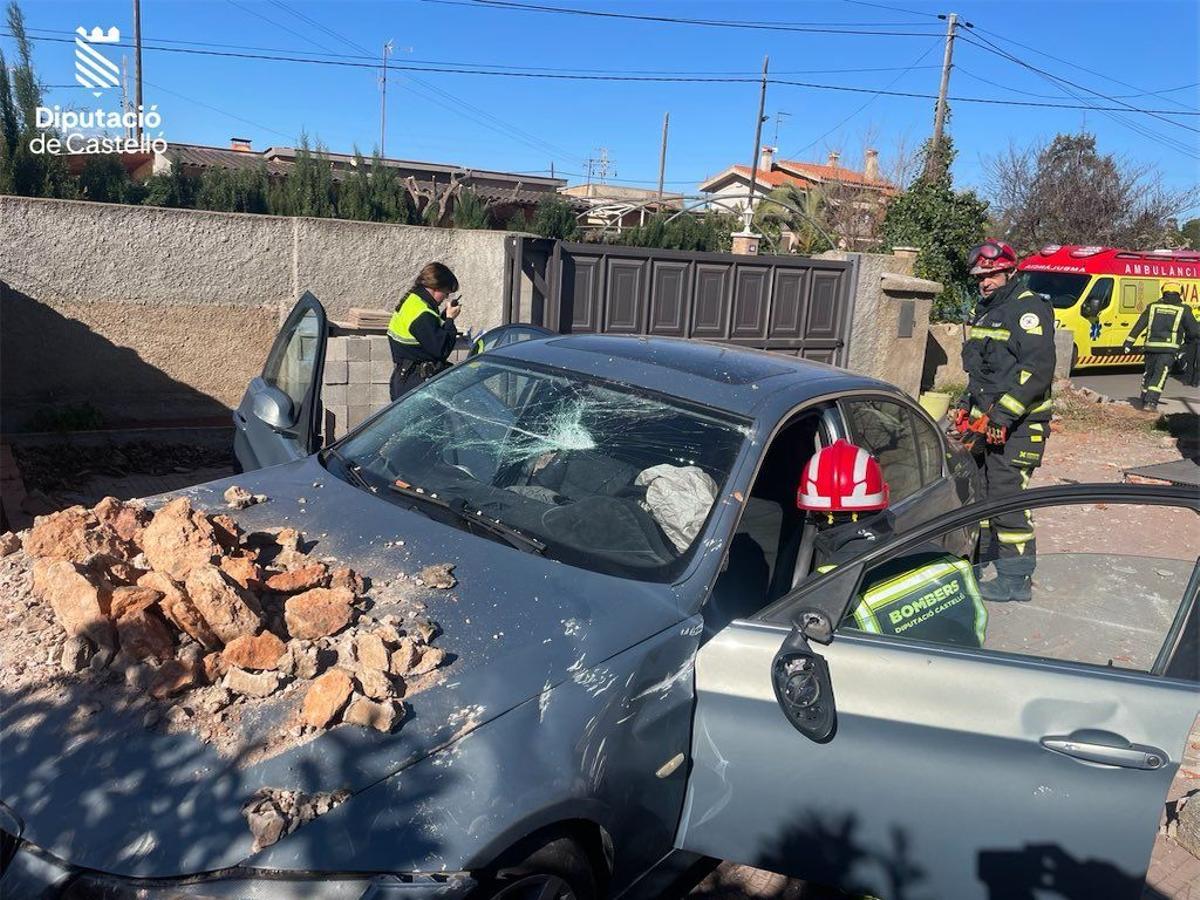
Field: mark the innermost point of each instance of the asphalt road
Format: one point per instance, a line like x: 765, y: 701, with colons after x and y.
x: 1125, y: 383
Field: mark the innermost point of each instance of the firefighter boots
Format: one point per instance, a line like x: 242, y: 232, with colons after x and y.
x: 1004, y: 588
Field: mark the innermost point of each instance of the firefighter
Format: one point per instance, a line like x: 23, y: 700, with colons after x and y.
x: 1168, y: 323
x: 1009, y: 360
x: 421, y: 335
x: 927, y: 594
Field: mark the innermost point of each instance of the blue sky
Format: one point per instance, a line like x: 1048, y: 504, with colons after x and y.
x: 524, y: 124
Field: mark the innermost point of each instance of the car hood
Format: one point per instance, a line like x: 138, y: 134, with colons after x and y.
x: 109, y: 794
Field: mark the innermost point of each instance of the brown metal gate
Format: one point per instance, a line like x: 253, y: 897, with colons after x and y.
x: 789, y: 304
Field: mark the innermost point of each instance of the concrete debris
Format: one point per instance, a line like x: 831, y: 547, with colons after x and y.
x: 260, y: 652
x: 10, y: 544
x: 273, y: 813
x: 318, y: 612
x: 252, y: 684
x: 1187, y: 832
x: 380, y: 715
x: 438, y: 576
x: 209, y: 625
x: 239, y: 498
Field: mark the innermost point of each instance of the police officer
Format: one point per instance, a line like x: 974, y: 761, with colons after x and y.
x: 421, y: 335
x: 1168, y: 322
x: 1009, y: 360
x: 927, y: 594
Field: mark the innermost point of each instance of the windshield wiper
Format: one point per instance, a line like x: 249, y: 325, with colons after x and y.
x: 457, y: 507
x: 352, y: 470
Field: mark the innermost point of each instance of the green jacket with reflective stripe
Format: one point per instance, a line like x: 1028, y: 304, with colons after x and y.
x: 1009, y: 356
x: 1167, y: 323
x: 417, y: 330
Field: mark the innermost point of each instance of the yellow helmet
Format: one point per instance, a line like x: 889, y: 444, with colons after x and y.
x: 1172, y: 287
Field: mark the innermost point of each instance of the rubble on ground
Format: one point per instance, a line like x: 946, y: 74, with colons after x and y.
x: 273, y: 813
x: 205, y: 625
x: 438, y: 576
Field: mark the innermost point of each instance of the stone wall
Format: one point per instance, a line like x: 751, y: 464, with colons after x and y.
x: 943, y: 357
x: 155, y: 315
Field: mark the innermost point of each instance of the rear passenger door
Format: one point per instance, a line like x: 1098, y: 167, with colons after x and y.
x: 915, y: 460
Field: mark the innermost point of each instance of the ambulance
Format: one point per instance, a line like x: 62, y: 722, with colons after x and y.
x: 1099, y: 292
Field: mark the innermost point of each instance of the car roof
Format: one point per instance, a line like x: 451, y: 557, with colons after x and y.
x: 736, y: 379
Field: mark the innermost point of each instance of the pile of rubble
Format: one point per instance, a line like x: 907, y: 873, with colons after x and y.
x: 182, y: 605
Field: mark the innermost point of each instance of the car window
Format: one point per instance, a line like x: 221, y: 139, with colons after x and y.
x: 608, y: 477
x: 291, y: 368
x: 885, y: 429
x: 1108, y: 581
x: 930, y: 451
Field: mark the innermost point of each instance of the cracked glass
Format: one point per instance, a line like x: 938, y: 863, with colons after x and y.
x: 608, y: 477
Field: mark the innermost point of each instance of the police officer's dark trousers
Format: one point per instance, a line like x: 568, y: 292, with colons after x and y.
x: 1008, y: 539
x: 1158, y: 366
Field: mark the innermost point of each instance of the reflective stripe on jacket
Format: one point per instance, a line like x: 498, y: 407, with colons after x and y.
x: 400, y: 325
x: 937, y: 601
x: 1009, y: 356
x: 1167, y: 325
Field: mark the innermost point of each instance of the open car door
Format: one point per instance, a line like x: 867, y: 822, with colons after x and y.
x: 279, y: 417
x: 1034, y: 765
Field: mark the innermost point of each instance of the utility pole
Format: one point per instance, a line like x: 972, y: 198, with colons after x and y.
x: 662, y: 157
x: 387, y: 51
x: 137, y: 66
x: 126, y: 131
x: 758, y: 124
x: 939, y: 119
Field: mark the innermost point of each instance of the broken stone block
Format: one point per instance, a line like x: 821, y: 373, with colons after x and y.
x: 288, y: 539
x: 307, y: 660
x: 243, y: 570
x: 229, y: 609
x: 374, y: 684
x: 252, y: 684
x: 424, y: 630
x: 178, y: 539
x: 127, y: 520
x: 261, y: 652
x: 138, y: 678
x: 438, y: 576
x: 214, y: 667
x: 431, y: 658
x: 80, y: 605
x: 387, y: 632
x: 370, y: 652
x: 9, y: 544
x: 143, y: 634
x: 239, y: 498
x: 326, y: 697
x: 173, y: 677
x: 76, y: 654
x: 121, y: 573
x: 226, y: 530
x: 382, y: 716
x: 180, y: 610
x: 318, y: 612
x: 74, y: 534
x: 404, y: 657
x: 301, y: 579
x: 127, y: 599
x: 346, y: 578
x: 267, y: 823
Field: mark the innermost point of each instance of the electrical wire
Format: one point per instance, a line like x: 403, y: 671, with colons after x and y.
x: 1183, y: 87
x: 807, y: 28
x: 911, y: 12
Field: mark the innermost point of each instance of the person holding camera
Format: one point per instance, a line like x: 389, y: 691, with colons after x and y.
x: 421, y: 332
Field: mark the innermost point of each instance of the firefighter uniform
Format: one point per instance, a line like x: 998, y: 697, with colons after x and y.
x: 928, y: 595
x: 1168, y: 323
x: 421, y: 341
x: 1009, y: 360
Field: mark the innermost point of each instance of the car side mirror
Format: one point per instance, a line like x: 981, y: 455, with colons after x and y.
x: 273, y: 406
x: 803, y: 687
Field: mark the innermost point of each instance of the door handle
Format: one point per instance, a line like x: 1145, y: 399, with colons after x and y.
x: 1130, y: 756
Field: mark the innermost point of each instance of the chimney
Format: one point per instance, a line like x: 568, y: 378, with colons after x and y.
x: 871, y: 169
x: 242, y: 145
x: 766, y: 159
x: 834, y: 156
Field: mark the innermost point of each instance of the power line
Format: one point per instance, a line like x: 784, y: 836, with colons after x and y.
x: 651, y: 79
x: 855, y: 28
x: 899, y: 9
x: 983, y: 80
x: 268, y: 19
x: 224, y: 112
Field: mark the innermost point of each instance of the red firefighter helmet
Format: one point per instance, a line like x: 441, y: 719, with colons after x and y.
x: 992, y: 256
x: 842, y: 478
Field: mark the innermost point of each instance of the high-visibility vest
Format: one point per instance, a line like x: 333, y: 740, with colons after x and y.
x: 1163, y: 331
x: 400, y: 325
x: 937, y: 601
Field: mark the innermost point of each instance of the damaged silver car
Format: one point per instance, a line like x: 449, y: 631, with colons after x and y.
x: 645, y: 670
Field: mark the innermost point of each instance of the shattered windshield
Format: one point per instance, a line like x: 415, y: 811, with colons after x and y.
x: 606, y: 477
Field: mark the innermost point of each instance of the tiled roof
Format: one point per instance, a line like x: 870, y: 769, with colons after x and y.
x: 217, y: 157
x: 801, y: 174
x: 831, y: 173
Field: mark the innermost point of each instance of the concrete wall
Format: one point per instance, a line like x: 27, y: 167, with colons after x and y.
x: 885, y: 294
x: 156, y: 314
x: 943, y: 357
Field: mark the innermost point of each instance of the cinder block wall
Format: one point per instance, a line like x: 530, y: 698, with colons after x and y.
x: 157, y: 315
x: 358, y: 369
